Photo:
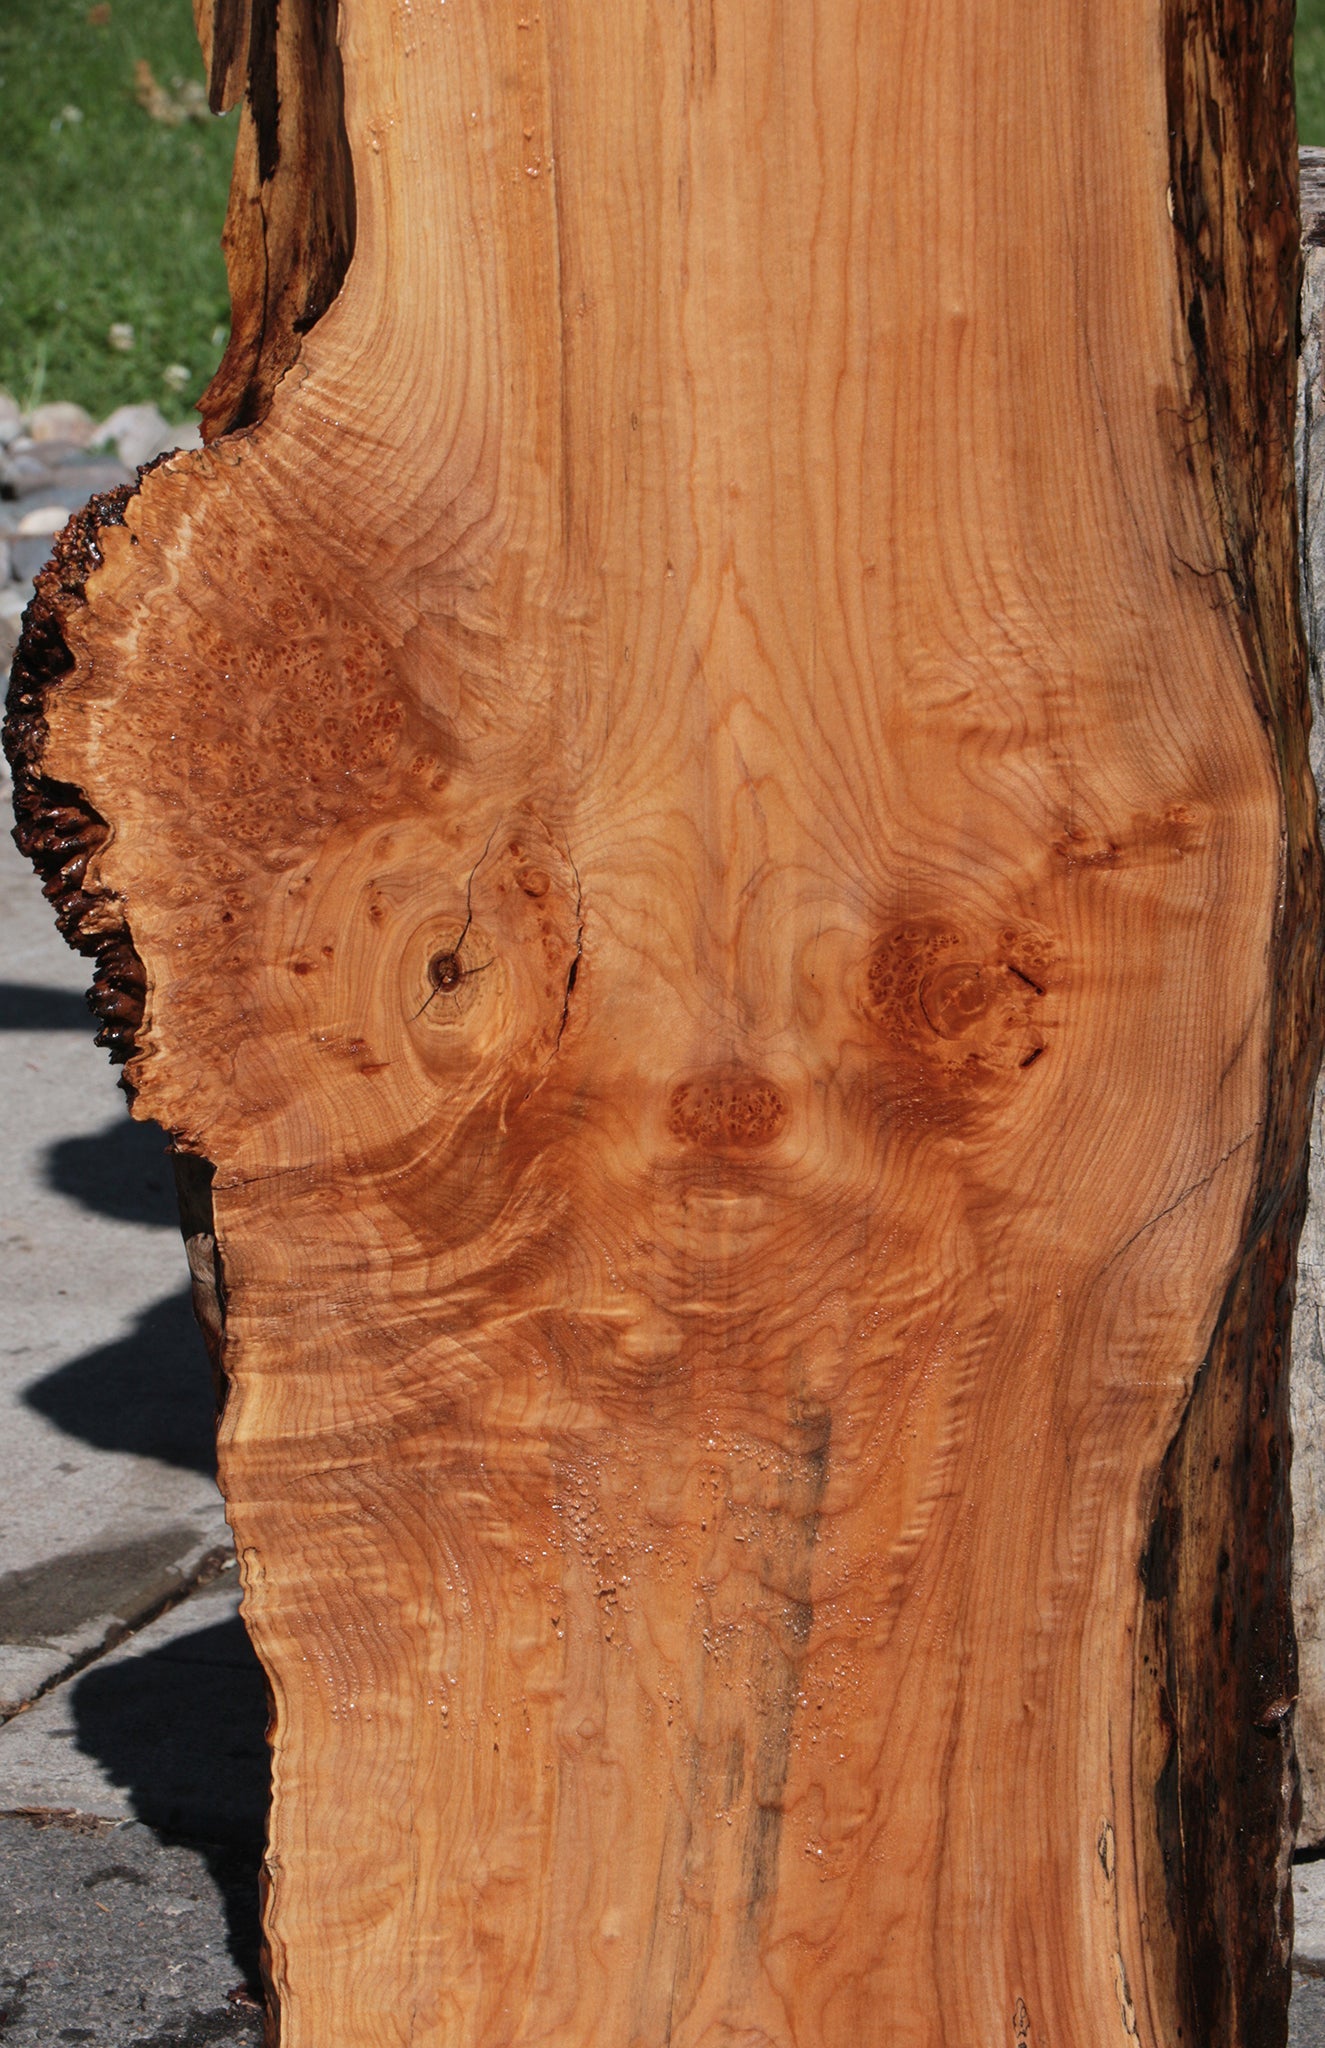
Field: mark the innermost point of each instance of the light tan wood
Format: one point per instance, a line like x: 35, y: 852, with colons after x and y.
x: 697, y: 816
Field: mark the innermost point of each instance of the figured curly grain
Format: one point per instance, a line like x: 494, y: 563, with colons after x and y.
x: 703, y: 822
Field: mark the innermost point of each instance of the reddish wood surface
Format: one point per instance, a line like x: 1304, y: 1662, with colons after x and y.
x: 699, y: 823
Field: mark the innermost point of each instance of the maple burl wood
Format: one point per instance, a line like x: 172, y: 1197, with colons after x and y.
x: 696, y: 817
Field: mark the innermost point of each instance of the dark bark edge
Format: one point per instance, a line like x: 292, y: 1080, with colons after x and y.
x: 56, y: 827
x: 1215, y: 1713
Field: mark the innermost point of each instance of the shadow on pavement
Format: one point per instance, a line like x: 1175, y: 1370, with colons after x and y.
x: 180, y: 1728
x: 57, y: 1596
x: 122, y: 1171
x: 24, y: 1007
x: 183, y: 1730
x: 149, y: 1393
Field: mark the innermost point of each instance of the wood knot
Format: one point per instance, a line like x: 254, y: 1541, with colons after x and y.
x: 445, y: 971
x: 968, y: 1006
x: 956, y: 998
x: 726, y: 1109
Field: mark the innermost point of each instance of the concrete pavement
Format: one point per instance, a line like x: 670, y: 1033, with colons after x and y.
x: 110, y: 1937
x: 132, y: 1778
x: 108, y: 1507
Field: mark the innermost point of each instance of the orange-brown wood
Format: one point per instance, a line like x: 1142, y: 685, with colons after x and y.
x: 722, y: 869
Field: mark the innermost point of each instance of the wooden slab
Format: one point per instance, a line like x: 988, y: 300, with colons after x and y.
x: 706, y: 827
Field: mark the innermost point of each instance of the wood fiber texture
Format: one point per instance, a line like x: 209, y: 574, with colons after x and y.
x: 701, y: 825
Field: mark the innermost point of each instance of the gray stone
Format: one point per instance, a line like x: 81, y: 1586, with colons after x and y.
x: 22, y: 469
x: 1309, y: 1914
x: 69, y: 489
x: 44, y: 519
x: 11, y: 419
x: 1306, y: 2015
x: 89, y: 477
x: 28, y: 554
x: 46, y: 472
x: 140, y: 433
x: 58, y: 455
x: 60, y: 421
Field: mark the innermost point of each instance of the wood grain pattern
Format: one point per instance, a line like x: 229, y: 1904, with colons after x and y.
x: 712, y: 809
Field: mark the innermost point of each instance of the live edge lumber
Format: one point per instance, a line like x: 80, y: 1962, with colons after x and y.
x: 697, y: 818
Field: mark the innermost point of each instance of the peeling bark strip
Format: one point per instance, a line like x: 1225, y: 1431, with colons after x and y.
x: 710, y: 812
x: 289, y: 231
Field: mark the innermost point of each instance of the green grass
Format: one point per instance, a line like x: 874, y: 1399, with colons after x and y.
x: 111, y: 217
x: 1310, y: 45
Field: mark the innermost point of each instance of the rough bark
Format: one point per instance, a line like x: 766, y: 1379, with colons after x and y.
x: 1218, y: 1626
x: 704, y: 826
